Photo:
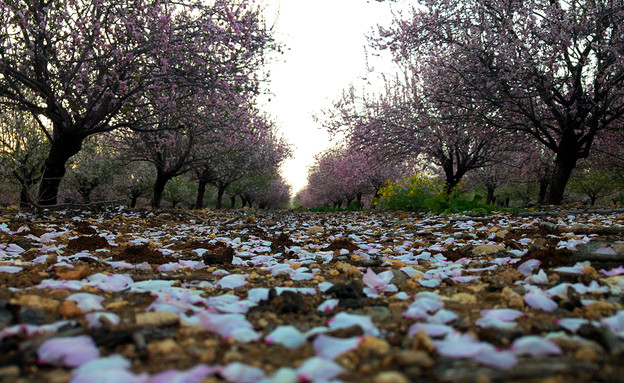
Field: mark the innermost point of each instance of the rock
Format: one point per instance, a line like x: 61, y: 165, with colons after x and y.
x: 36, y: 302
x: 32, y: 316
x: 587, y: 354
x: 9, y: 372
x: 223, y: 255
x: 423, y: 342
x: 69, y: 309
x: 157, y: 319
x: 510, y: 276
x: 378, y: 313
x: 399, y: 214
x: 371, y: 345
x: 315, y: 230
x: 406, y: 358
x: 76, y: 274
x: 487, y: 249
x: 390, y: 377
x: 164, y: 347
x: 464, y: 298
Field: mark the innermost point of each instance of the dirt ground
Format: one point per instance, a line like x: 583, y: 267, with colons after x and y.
x: 243, y: 296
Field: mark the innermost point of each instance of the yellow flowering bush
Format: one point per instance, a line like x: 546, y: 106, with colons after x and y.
x: 422, y: 192
x: 410, y: 193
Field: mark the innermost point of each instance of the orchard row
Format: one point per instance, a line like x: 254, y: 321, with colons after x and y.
x: 129, y: 95
x: 523, y: 97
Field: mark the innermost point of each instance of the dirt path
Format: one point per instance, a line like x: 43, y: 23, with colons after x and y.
x: 134, y: 295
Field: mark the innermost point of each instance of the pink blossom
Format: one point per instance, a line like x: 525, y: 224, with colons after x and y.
x: 68, y: 351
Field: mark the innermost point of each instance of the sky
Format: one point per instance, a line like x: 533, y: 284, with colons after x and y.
x: 326, y: 51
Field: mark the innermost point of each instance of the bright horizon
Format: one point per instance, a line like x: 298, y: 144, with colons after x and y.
x: 325, y: 51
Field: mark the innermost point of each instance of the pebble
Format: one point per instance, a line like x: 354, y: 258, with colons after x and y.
x: 315, y: 230
x: 586, y: 354
x: 157, y: 319
x: 164, y: 347
x: 69, y: 309
x: 417, y: 358
x: 36, y: 302
x: 378, y: 313
x: 9, y: 372
x: 390, y: 377
x: 75, y: 274
x: 371, y: 345
x: 464, y: 298
x: 487, y: 249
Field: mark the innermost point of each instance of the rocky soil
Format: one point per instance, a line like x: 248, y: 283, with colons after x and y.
x: 120, y: 295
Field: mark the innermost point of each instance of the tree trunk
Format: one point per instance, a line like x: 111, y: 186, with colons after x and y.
x: 490, y: 194
x: 233, y: 201
x: 543, y: 187
x: 62, y: 149
x: 133, y: 201
x: 201, y: 190
x: 159, y: 187
x: 220, y: 192
x: 25, y: 200
x: 559, y: 180
x: 359, y: 200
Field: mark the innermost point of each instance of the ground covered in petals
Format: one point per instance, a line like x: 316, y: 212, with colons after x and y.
x: 120, y: 295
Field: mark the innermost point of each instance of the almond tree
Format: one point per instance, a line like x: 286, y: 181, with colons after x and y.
x: 551, y: 69
x: 87, y: 65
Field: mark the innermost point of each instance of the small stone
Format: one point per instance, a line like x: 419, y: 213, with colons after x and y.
x: 9, y: 372
x: 487, y: 249
x: 510, y: 276
x: 36, y: 302
x: 514, y: 300
x: 423, y: 342
x: 164, y: 347
x: 390, y: 377
x: 251, y: 220
x: 539, y: 243
x: 353, y: 271
x: 464, y: 298
x: 590, y: 271
x: 315, y: 230
x: 51, y: 259
x: 418, y: 358
x: 587, y: 354
x: 356, y: 258
x: 399, y: 214
x: 333, y: 272
x: 501, y: 234
x: 371, y: 345
x: 69, y: 309
x: 387, y: 251
x: 157, y: 319
x: 75, y: 274
x: 116, y: 305
x: 378, y: 313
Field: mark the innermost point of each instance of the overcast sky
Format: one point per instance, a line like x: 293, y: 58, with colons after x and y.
x: 325, y: 52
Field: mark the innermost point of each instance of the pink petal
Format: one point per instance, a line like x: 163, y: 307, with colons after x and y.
x: 193, y: 375
x: 458, y: 346
x: 242, y: 373
x: 329, y: 347
x: 319, y: 369
x: 229, y: 326
x: 68, y: 351
x: 571, y: 324
x: 288, y: 336
x: 527, y: 267
x: 615, y: 322
x: 540, y: 301
x: 503, y: 360
x: 503, y: 314
x: 431, y: 329
x: 535, y: 346
x: 87, y: 302
x: 328, y: 305
x: 613, y: 272
x: 373, y: 281
x: 232, y: 281
x: 345, y: 320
